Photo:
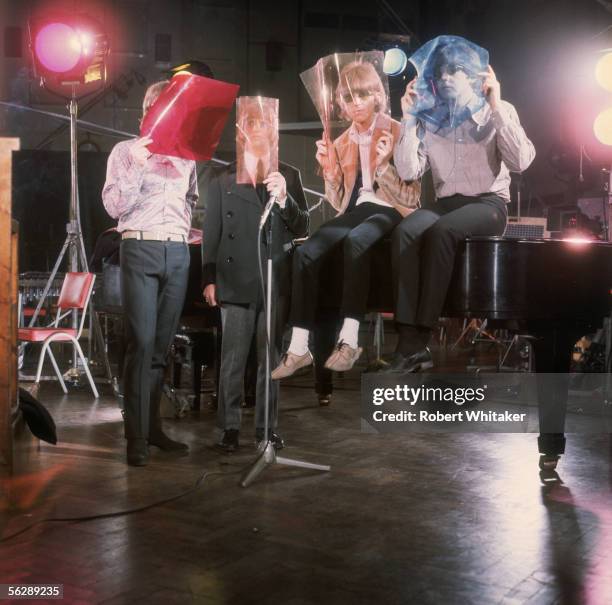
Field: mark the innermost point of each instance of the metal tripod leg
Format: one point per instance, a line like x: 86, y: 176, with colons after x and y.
x: 268, y: 457
x: 301, y: 464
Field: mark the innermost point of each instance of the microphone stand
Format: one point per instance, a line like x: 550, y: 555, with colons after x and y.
x: 266, y: 454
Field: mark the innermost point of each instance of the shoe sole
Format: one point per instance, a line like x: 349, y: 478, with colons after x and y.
x: 225, y: 450
x: 137, y: 463
x: 169, y: 449
x: 346, y: 369
x: 292, y: 371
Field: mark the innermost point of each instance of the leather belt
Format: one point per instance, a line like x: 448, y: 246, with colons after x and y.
x: 157, y: 236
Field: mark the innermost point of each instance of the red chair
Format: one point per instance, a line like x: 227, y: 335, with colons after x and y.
x: 75, y: 294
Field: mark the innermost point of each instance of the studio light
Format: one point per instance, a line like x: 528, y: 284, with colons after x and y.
x: 395, y: 61
x: 602, y: 127
x: 69, y: 55
x: 68, y: 49
x: 603, y: 71
x: 588, y: 111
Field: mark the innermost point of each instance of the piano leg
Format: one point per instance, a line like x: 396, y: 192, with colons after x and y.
x: 552, y: 349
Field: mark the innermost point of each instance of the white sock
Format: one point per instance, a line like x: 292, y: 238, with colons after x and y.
x: 349, y: 332
x: 299, y: 341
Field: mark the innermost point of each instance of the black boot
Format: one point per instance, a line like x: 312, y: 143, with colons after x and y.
x: 163, y: 442
x: 157, y: 437
x: 421, y: 360
x: 137, y: 452
x: 229, y: 442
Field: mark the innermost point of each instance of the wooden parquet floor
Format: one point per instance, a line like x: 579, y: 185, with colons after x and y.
x: 417, y: 519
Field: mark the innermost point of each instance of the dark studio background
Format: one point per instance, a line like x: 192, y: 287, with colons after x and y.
x: 541, y: 50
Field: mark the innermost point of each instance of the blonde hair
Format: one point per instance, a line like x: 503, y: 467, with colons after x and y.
x: 152, y: 94
x: 360, y: 75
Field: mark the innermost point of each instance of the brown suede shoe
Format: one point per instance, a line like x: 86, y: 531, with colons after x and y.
x: 290, y: 363
x: 343, y: 358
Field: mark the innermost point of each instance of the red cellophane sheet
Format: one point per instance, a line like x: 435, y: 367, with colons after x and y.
x: 187, y: 119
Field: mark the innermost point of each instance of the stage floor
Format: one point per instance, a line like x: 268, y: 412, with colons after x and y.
x: 404, y: 519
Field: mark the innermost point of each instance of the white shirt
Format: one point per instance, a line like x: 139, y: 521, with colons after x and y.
x: 251, y: 161
x: 364, y: 141
x: 474, y: 158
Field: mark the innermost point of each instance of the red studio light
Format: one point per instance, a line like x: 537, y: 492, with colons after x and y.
x: 69, y: 49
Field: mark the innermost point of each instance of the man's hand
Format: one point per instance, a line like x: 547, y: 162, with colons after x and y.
x: 384, y: 150
x: 330, y: 172
x: 277, y: 186
x: 491, y: 88
x: 322, y: 153
x: 139, y: 152
x: 210, y: 295
x: 409, y: 99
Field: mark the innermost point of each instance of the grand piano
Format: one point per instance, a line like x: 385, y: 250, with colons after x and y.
x: 558, y: 289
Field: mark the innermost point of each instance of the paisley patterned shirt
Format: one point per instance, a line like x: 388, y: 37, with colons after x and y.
x: 156, y: 196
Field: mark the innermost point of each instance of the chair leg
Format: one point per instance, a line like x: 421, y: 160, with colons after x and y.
x: 86, y: 368
x: 41, y: 361
x: 57, y: 370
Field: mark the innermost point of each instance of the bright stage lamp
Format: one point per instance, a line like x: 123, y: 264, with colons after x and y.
x: 602, y: 127
x: 395, y: 62
x: 603, y: 71
x: 57, y: 47
x: 69, y: 49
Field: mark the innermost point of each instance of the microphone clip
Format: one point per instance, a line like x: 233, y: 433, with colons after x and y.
x: 267, y: 210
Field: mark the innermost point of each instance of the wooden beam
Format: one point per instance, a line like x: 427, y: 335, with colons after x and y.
x: 8, y: 308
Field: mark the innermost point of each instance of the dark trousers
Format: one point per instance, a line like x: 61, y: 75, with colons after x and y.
x: 153, y: 284
x: 424, y: 247
x: 356, y: 231
x: 327, y: 325
x: 239, y: 324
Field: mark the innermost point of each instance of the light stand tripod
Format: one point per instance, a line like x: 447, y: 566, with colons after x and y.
x: 606, y: 194
x: 77, y: 257
x: 267, y: 454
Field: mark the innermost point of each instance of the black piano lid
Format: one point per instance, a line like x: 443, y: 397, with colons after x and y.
x: 552, y: 279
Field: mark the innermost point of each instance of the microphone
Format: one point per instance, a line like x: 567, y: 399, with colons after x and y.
x: 266, y: 213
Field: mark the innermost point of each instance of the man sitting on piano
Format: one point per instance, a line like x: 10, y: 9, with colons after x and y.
x: 362, y: 184
x: 235, y: 199
x: 456, y: 125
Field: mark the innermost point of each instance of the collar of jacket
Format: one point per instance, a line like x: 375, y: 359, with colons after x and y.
x: 245, y: 192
